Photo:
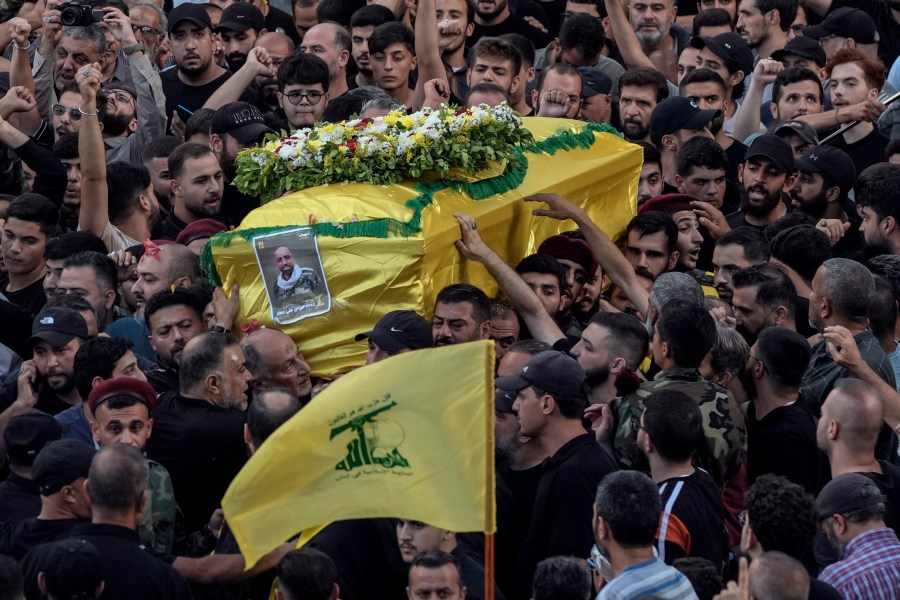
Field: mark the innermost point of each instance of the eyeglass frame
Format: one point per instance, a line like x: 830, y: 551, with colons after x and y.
x: 300, y: 95
x: 156, y: 32
x: 74, y: 113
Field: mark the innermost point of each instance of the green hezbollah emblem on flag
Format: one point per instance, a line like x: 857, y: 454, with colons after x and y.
x: 411, y: 437
x: 373, y: 438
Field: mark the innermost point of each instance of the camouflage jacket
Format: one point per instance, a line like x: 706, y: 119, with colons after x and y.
x: 723, y: 423
x: 157, y: 527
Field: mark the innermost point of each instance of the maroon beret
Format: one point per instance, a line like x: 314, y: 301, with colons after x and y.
x: 122, y: 386
x: 204, y: 228
x: 566, y: 248
x: 668, y: 203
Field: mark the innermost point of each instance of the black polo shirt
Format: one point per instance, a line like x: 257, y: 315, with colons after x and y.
x: 786, y: 431
x: 19, y: 499
x: 129, y: 570
x: 202, y: 447
x: 563, y: 506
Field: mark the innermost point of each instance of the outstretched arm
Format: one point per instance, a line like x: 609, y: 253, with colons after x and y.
x: 605, y: 252
x: 626, y: 40
x: 428, y: 53
x: 94, y: 213
x: 524, y: 300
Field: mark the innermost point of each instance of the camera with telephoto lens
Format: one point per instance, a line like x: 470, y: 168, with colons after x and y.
x: 77, y: 14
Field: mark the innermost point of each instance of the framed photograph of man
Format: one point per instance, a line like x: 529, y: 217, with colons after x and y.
x: 292, y: 271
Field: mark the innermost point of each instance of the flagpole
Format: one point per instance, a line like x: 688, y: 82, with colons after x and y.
x: 489, y: 566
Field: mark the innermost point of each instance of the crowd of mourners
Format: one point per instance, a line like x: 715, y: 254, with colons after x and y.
x: 705, y: 407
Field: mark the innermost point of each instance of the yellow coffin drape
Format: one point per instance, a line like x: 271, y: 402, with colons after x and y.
x: 377, y: 443
x: 370, y: 276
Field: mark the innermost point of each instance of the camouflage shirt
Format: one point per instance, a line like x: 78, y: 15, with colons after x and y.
x: 723, y: 423
x: 157, y: 526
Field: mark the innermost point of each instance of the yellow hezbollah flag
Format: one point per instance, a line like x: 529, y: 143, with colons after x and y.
x: 410, y: 437
x: 382, y: 248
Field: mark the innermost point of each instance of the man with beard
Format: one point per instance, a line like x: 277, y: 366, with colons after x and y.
x: 117, y: 201
x: 197, y: 188
x: 763, y: 296
x: 279, y: 48
x: 763, y: 175
x: 640, y: 91
x: 885, y: 14
x: 235, y: 126
x: 239, y: 28
x: 173, y: 318
x: 611, y: 348
x: 625, y: 523
x: 331, y: 43
x: 876, y: 201
x: 736, y: 250
x: 764, y: 24
x: 777, y: 425
x: 454, y: 28
x: 462, y: 313
x: 547, y: 279
x: 673, y: 122
x: 47, y: 381
x: 851, y: 513
x: 825, y: 176
x: 362, y: 24
x: 92, y: 276
x: 493, y: 18
x: 660, y: 39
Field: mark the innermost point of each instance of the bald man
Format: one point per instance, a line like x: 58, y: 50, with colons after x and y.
x: 777, y: 575
x: 848, y: 430
x: 279, y: 46
x: 275, y: 362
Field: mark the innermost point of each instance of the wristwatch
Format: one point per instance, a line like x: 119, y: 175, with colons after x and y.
x: 129, y: 50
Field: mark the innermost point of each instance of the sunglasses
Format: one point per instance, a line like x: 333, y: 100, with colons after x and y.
x: 59, y: 110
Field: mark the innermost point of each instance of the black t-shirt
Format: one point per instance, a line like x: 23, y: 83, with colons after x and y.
x: 31, y: 533
x: 171, y: 226
x: 513, y: 24
x: 866, y: 152
x: 787, y: 431
x: 563, y: 506
x: 693, y: 518
x: 888, y: 28
x: 193, y: 97
x: 235, y: 206
x: 523, y: 487
x: 19, y: 499
x: 192, y: 437
x: 30, y: 298
x: 735, y: 154
x: 737, y: 219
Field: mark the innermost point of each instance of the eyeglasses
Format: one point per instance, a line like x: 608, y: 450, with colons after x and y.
x: 120, y: 97
x: 297, y: 96
x: 59, y: 110
x: 146, y: 30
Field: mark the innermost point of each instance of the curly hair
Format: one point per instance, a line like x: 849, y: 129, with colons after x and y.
x: 781, y: 514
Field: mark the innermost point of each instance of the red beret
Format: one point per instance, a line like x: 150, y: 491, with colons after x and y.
x: 668, y: 203
x: 204, y: 228
x: 122, y: 386
x: 566, y: 248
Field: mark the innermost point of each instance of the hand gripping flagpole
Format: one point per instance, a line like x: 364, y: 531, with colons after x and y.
x: 853, y: 124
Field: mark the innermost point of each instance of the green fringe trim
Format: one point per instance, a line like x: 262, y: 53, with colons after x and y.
x: 512, y: 177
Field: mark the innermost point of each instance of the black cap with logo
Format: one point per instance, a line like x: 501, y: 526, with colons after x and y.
x: 400, y: 330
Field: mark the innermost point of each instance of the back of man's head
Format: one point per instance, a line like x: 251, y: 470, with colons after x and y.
x: 73, y: 242
x: 673, y: 422
x: 855, y: 405
x: 628, y: 502
x: 781, y: 515
x: 803, y: 248
x: 269, y: 410
x: 675, y: 286
x: 12, y: 583
x: 306, y: 574
x: 777, y: 576
x: 118, y: 479
x: 561, y: 578
x: 752, y: 240
x: 201, y: 356
x: 125, y: 183
x: 785, y: 354
x: 689, y: 331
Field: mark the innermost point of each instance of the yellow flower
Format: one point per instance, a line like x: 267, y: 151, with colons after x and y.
x: 391, y: 118
x: 407, y: 121
x: 314, y: 144
x: 419, y: 138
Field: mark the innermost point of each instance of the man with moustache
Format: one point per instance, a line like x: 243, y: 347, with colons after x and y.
x: 876, y: 202
x: 197, y: 187
x: 239, y: 28
x: 279, y: 47
x: 362, y: 24
x: 462, y: 313
x: 611, y: 348
x: 640, y: 91
x: 173, y: 318
x: 660, y: 39
x: 767, y: 166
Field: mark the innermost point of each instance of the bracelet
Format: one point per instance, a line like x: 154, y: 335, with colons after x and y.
x: 87, y: 114
x: 18, y: 47
x: 837, y: 116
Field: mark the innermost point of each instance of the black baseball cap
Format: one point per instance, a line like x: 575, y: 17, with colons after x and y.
x: 831, y: 161
x: 804, y: 47
x: 504, y: 400
x: 801, y: 128
x: 845, y: 22
x: 676, y: 113
x: 594, y: 81
x: 775, y: 149
x: 241, y: 16
x: 73, y: 569
x: 58, y: 327
x: 550, y: 371
x: 730, y: 47
x: 847, y: 493
x: 27, y: 433
x: 240, y: 120
x: 60, y: 463
x: 400, y: 330
x: 188, y: 11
